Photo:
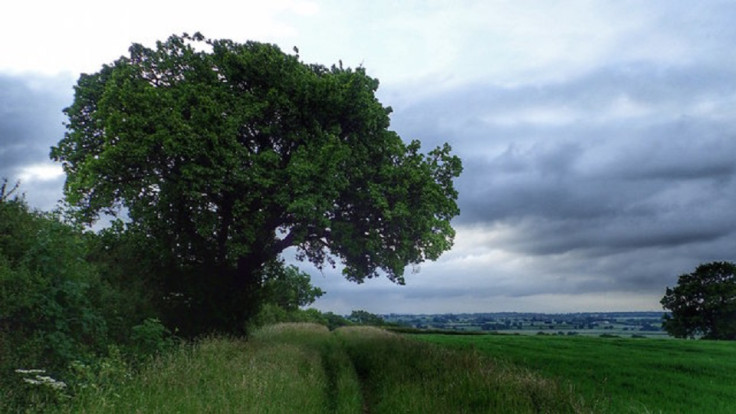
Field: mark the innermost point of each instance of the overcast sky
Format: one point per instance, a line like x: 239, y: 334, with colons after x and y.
x: 598, y: 137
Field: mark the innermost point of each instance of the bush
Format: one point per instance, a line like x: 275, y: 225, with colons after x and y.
x: 271, y: 314
x: 57, y: 314
x: 48, y: 317
x: 129, y: 290
x: 151, y: 338
x: 335, y: 321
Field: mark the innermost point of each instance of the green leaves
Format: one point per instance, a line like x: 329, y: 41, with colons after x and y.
x: 229, y: 153
x: 289, y: 288
x: 48, y: 310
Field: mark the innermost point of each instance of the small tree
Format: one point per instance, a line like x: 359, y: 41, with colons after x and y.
x: 289, y: 288
x: 362, y: 317
x: 703, y: 304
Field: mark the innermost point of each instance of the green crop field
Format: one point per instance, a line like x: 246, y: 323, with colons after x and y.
x: 622, y: 375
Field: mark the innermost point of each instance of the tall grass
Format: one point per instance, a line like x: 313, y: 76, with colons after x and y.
x: 281, y: 370
x: 406, y: 376
x: 341, y: 388
x: 304, y: 368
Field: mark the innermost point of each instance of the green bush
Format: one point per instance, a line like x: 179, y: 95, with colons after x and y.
x: 271, y: 314
x: 48, y: 314
x: 151, y: 338
x: 56, y: 312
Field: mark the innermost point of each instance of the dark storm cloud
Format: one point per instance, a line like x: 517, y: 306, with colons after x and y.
x: 617, y: 180
x: 30, y: 117
x: 620, y: 146
x: 30, y: 123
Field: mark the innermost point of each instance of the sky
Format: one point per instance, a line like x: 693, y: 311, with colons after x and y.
x: 598, y: 137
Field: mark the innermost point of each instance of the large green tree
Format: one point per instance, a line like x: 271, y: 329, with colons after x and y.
x: 703, y: 304
x: 226, y: 154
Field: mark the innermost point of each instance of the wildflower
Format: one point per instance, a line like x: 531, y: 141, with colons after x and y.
x: 30, y: 371
x: 55, y: 384
x: 41, y: 380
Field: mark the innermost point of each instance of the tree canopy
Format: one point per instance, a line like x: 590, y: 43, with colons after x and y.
x: 226, y: 154
x: 703, y: 304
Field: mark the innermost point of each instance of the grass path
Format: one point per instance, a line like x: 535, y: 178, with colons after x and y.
x: 303, y: 368
x: 407, y: 376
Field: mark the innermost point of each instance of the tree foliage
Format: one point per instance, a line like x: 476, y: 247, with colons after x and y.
x: 289, y: 288
x: 47, y: 313
x: 226, y: 154
x: 703, y: 304
x: 362, y: 317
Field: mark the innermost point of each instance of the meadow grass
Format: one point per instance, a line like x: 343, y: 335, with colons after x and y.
x: 622, y: 375
x: 281, y: 369
x: 304, y: 368
x: 400, y: 375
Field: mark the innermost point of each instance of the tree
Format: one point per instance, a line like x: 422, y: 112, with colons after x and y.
x: 362, y: 317
x: 227, y: 154
x: 289, y: 288
x: 703, y: 303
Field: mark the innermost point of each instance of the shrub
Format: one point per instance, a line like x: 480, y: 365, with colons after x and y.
x: 48, y: 317
x: 151, y: 338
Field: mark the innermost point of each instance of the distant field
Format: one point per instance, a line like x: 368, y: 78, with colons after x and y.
x: 624, y: 324
x: 622, y: 375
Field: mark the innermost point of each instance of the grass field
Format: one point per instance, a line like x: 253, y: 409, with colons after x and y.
x: 304, y: 368
x: 622, y: 375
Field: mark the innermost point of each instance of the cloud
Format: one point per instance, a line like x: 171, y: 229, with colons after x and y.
x: 40, y: 172
x: 611, y: 143
x: 599, y: 189
x: 31, y: 121
x: 597, y: 138
x: 80, y: 35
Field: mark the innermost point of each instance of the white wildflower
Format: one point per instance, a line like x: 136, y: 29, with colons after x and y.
x: 55, y: 384
x: 30, y: 371
x: 41, y: 379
